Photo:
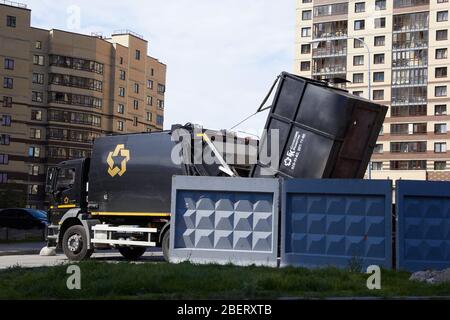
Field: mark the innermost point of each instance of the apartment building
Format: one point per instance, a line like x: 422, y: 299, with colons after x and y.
x: 394, y: 52
x: 61, y: 90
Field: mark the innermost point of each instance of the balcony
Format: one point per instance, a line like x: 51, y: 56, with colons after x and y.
x: 410, y: 3
x: 329, y: 70
x: 329, y: 51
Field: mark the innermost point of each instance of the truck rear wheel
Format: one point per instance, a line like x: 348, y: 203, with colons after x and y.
x: 165, y: 245
x: 132, y: 253
x: 75, y: 244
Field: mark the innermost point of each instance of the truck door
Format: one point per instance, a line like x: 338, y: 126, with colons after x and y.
x: 66, y: 192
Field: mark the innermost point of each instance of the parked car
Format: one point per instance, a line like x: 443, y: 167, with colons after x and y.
x: 23, y: 218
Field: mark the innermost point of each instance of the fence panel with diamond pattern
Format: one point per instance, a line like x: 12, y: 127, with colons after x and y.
x: 224, y: 220
x: 343, y: 223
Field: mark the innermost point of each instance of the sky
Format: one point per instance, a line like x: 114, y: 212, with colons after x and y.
x: 222, y: 56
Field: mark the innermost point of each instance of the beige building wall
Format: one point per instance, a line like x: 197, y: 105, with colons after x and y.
x: 387, y: 162
x: 67, y: 89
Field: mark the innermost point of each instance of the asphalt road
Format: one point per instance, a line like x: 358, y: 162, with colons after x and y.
x: 34, y: 260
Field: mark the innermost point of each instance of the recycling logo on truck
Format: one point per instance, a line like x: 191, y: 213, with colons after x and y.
x: 117, y: 160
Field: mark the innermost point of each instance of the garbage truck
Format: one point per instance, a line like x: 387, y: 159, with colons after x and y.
x: 120, y: 197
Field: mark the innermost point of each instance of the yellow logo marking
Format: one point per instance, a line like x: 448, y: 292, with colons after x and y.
x: 114, y: 170
x: 66, y: 200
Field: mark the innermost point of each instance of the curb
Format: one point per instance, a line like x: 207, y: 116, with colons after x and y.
x: 19, y: 252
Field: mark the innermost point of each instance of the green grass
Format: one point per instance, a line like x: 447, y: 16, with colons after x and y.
x: 100, y: 280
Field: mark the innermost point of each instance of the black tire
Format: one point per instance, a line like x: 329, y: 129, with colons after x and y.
x: 75, y: 245
x: 165, y: 245
x: 132, y: 253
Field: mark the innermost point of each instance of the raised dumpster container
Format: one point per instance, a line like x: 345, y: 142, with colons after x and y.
x: 324, y: 132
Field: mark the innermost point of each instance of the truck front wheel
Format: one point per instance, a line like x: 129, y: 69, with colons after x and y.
x: 75, y: 244
x: 132, y: 253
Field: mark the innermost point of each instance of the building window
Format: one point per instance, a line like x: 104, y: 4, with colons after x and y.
x: 440, y: 91
x: 360, y: 7
x: 152, y: 72
x: 137, y: 55
x: 135, y: 104
x: 35, y: 133
x: 378, y: 94
x: 441, y: 35
x: 5, y: 139
x: 440, y: 128
x: 306, y: 32
x: 149, y: 116
x: 37, y: 96
x: 33, y: 170
x: 358, y: 93
x: 408, y: 165
x: 8, y: 83
x: 379, y: 41
x: 358, y: 60
x: 306, y: 15
x: 161, y: 88
x: 358, y: 78
x: 33, y: 189
x: 441, y: 72
x: 306, y: 49
x: 121, y: 92
x: 160, y: 104
x: 442, y: 16
x: 159, y: 120
x: 440, y: 147
x: 11, y: 21
x: 305, y: 66
x: 120, y: 125
x: 5, y: 120
x: 34, y: 152
x: 9, y: 64
x: 378, y: 148
x: 3, y: 177
x: 122, y: 75
x: 38, y: 60
x: 380, y: 5
x: 36, y: 115
x: 359, y: 24
x: 380, y: 23
x: 441, y: 53
x: 408, y: 128
x: 136, y: 88
x: 378, y: 58
x: 440, y: 110
x: 358, y: 43
x: 121, y: 108
x: 38, y: 45
x: 406, y: 147
x: 4, y: 159
x: 378, y: 76
x: 442, y: 1
x: 149, y: 100
x: 440, y: 165
x: 38, y: 78
x: 7, y: 102
x: 149, y: 84
x: 135, y: 121
x: 377, y: 166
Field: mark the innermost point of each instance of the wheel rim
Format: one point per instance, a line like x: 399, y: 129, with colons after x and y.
x: 75, y: 243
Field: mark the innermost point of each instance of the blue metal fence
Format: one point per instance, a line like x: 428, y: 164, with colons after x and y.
x: 224, y: 220
x: 423, y: 225
x: 336, y: 223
